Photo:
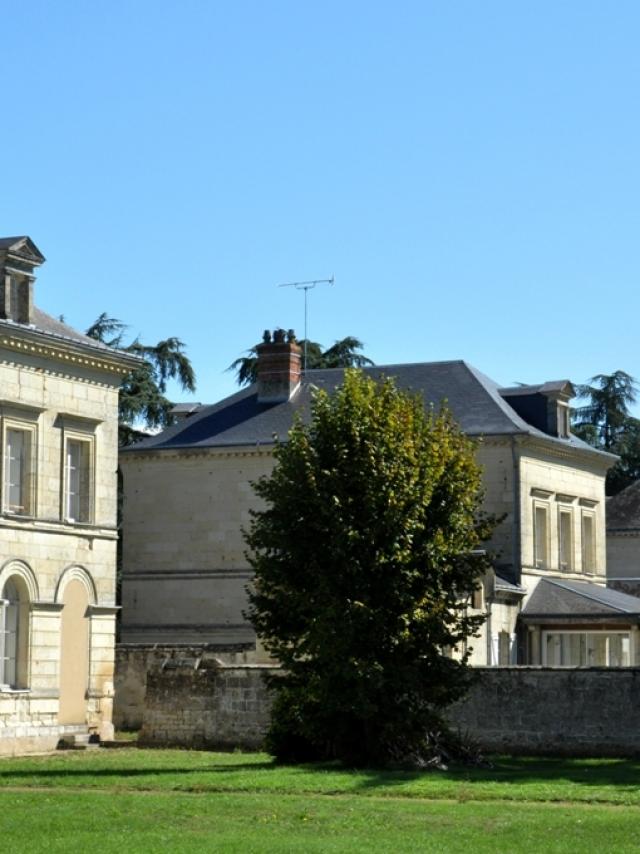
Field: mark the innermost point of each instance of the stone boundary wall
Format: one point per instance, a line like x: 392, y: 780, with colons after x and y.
x: 592, y: 711
x: 134, y: 661
x: 204, y: 704
x: 528, y: 710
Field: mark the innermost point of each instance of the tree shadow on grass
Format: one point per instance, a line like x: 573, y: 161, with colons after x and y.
x: 622, y: 774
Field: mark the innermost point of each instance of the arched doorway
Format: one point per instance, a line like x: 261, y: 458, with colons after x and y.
x: 74, y: 654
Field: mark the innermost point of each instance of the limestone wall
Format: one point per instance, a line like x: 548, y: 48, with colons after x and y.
x: 204, y: 705
x: 585, y: 712
x: 184, y: 565
x: 588, y: 711
x: 133, y: 662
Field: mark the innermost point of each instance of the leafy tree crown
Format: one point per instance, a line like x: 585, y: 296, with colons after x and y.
x: 364, y: 554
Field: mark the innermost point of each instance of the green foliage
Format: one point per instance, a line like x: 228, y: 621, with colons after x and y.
x: 343, y: 354
x: 605, y: 423
x: 142, y: 401
x: 363, y: 559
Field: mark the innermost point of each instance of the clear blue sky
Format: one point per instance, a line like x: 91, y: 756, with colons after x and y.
x: 470, y: 171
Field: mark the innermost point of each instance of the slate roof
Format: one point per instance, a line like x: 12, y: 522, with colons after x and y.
x: 623, y: 509
x: 555, y: 598
x: 43, y: 323
x: 474, y: 399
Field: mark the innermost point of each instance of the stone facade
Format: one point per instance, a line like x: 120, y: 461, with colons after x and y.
x: 189, y: 587
x: 58, y: 435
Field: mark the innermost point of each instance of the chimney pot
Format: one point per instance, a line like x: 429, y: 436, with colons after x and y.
x: 279, y: 363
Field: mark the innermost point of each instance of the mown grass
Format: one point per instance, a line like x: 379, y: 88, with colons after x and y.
x: 174, y: 800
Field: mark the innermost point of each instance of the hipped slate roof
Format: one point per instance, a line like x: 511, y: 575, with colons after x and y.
x: 623, y: 509
x: 557, y: 599
x: 474, y: 399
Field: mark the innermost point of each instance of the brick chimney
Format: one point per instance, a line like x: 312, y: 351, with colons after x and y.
x: 279, y: 358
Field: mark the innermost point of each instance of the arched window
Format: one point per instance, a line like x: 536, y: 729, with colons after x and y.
x: 14, y: 616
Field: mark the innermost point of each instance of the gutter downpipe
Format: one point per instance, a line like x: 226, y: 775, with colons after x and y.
x: 515, y: 528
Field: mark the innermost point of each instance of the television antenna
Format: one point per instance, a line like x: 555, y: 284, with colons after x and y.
x: 306, y: 287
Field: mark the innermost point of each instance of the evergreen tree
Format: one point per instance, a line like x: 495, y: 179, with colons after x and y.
x: 605, y: 422
x: 342, y: 354
x: 142, y: 401
x: 365, y: 554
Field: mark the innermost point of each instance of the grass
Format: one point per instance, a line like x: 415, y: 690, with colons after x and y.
x: 199, y: 801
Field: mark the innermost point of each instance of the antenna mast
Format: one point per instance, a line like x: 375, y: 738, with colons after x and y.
x: 306, y: 287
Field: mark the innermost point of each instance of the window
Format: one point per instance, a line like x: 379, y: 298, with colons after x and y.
x: 564, y: 421
x: 588, y: 542
x: 14, y: 620
x: 18, y: 467
x: 565, y: 540
x: 540, y: 536
x: 504, y: 649
x: 477, y: 598
x: 587, y: 649
x: 78, y: 480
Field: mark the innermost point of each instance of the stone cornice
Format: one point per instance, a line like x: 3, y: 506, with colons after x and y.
x: 55, y: 526
x: 162, y: 454
x: 39, y: 344
x: 599, y: 460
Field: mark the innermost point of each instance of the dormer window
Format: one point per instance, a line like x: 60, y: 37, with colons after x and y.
x: 18, y: 258
x: 564, y: 421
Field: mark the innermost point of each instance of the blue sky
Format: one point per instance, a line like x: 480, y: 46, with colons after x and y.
x: 470, y: 172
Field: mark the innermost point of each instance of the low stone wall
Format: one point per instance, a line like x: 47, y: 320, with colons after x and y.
x: 204, y: 704
x: 528, y: 710
x: 591, y: 711
x: 134, y: 661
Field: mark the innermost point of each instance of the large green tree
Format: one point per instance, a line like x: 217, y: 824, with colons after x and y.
x: 143, y: 403
x: 342, y: 354
x: 365, y: 552
x: 605, y: 422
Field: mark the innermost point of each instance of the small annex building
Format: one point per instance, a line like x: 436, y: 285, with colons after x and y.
x: 623, y: 540
x: 187, y: 496
x: 58, y: 535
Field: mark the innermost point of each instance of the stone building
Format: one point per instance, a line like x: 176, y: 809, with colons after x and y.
x: 188, y: 494
x: 58, y: 429
x: 623, y: 540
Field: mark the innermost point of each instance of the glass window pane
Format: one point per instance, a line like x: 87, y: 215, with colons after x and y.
x: 540, y: 536
x: 566, y: 541
x: 16, y: 485
x: 597, y: 650
x: 78, y: 476
x: 588, y: 544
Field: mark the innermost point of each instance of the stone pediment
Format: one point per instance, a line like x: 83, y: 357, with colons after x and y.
x: 23, y: 248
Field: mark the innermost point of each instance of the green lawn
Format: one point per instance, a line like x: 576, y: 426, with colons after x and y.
x: 171, y: 800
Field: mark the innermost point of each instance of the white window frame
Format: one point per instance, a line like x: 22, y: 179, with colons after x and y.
x: 86, y: 439
x: 585, y: 632
x: 29, y: 477
x: 589, y: 556
x: 6, y: 683
x: 564, y: 510
x: 538, y: 561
